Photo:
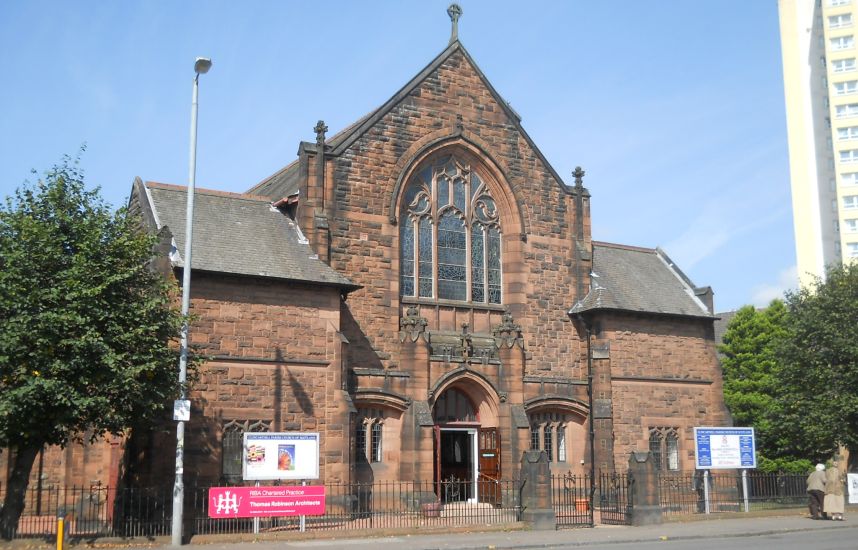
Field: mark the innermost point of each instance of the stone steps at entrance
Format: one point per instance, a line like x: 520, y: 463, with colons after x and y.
x: 455, y: 509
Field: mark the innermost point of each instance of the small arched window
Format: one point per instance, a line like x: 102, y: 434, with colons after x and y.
x: 368, y: 436
x: 548, y: 433
x: 450, y: 236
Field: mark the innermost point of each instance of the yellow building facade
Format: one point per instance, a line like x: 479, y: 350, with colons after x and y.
x: 820, y: 65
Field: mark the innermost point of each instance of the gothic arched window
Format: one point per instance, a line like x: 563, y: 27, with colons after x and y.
x: 450, y: 236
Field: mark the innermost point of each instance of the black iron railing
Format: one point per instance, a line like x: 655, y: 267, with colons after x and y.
x: 131, y: 512
x: 685, y: 493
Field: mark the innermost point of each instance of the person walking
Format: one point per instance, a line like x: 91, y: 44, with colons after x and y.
x: 833, y: 504
x: 816, y: 491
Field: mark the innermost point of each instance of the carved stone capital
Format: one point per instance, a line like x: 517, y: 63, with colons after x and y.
x: 508, y: 333
x: 412, y: 325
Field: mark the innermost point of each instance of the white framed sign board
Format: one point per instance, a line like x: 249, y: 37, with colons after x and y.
x: 724, y: 448
x: 283, y: 455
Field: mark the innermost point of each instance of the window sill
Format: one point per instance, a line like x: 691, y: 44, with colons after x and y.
x: 451, y: 303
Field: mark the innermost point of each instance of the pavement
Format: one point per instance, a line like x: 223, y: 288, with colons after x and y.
x: 569, y: 538
x: 714, y: 526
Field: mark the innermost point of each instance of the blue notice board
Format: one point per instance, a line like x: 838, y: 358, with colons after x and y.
x: 724, y: 448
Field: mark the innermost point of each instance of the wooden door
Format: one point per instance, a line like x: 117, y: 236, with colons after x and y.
x: 488, y: 482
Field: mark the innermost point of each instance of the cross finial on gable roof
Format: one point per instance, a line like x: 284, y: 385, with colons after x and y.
x: 320, y: 130
x: 578, y: 174
x: 455, y: 12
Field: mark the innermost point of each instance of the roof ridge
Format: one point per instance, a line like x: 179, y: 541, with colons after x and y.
x: 625, y: 247
x: 204, y: 191
x: 272, y: 176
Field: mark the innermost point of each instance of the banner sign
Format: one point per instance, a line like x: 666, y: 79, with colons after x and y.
x: 280, y: 456
x: 254, y: 502
x: 724, y: 448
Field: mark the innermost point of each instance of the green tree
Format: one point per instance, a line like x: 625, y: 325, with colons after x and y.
x: 751, y: 370
x: 87, y: 329
x: 819, y: 373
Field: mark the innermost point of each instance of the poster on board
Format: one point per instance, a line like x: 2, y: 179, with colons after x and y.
x: 285, y: 455
x: 724, y: 448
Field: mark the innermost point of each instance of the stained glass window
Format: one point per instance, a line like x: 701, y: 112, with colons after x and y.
x: 406, y: 274
x: 425, y: 257
x: 450, y: 236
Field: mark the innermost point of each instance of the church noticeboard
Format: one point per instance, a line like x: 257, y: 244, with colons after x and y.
x: 727, y: 448
x: 269, y: 456
x: 253, y: 502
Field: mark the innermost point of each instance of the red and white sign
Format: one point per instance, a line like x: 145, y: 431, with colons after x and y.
x: 253, y: 502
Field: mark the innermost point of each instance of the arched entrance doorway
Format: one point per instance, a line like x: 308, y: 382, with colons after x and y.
x: 467, y: 448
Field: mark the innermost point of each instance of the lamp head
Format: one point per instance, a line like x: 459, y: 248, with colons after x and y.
x: 202, y: 65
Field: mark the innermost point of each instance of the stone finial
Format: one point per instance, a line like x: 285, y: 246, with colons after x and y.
x: 320, y: 130
x: 460, y: 123
x: 455, y: 12
x: 578, y: 174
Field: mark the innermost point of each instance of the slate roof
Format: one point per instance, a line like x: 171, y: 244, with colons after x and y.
x: 639, y: 280
x: 721, y: 325
x: 238, y: 234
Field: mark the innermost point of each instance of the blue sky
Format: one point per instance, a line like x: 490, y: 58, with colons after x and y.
x: 674, y: 108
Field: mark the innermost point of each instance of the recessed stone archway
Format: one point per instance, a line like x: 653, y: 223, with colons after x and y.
x: 482, y: 393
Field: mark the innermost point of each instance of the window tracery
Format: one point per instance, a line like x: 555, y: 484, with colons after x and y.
x: 548, y: 433
x: 232, y: 444
x: 664, y: 445
x: 450, y: 236
x: 368, y: 438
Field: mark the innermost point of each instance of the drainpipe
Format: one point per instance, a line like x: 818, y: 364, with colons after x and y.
x: 588, y: 329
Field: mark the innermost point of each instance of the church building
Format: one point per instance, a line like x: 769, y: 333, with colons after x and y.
x: 422, y: 289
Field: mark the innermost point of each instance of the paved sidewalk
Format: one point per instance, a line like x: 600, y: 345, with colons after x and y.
x: 682, y: 530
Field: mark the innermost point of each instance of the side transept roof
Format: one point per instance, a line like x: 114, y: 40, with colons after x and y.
x: 236, y: 234
x: 643, y: 280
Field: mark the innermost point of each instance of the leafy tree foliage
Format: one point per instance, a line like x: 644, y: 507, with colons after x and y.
x: 819, y: 373
x: 751, y: 370
x: 85, y: 326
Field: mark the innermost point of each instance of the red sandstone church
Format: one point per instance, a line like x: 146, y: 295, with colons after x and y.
x: 420, y: 289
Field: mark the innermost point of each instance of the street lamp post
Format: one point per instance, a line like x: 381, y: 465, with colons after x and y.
x: 201, y: 66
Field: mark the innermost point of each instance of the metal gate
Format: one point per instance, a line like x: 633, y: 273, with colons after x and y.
x: 571, y: 495
x: 615, y: 499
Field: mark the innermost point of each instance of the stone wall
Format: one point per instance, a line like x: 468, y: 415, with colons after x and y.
x: 664, y: 372
x: 275, y: 357
x: 537, y: 214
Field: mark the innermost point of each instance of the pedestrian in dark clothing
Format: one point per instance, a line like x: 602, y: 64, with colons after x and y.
x: 699, y: 486
x: 816, y: 491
